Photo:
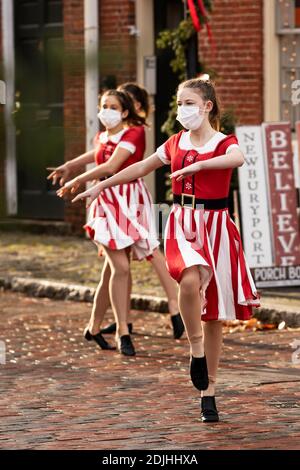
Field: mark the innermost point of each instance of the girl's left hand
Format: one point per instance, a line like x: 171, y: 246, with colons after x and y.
x: 187, y: 171
x: 72, y: 186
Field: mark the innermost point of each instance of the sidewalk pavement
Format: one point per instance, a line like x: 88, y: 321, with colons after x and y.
x: 273, y: 309
x: 60, y: 392
x: 66, y: 267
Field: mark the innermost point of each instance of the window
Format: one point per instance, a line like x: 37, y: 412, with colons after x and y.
x: 288, y: 29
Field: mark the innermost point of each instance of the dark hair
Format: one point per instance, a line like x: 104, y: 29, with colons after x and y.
x: 126, y: 103
x: 207, y: 90
x: 139, y: 94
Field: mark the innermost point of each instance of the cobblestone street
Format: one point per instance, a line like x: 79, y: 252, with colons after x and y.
x: 60, y: 392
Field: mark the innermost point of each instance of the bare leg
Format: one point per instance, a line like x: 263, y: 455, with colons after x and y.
x: 106, y: 266
x: 101, y: 300
x: 129, y: 286
x: 118, y: 287
x: 169, y: 285
x: 213, y: 347
x: 190, y: 309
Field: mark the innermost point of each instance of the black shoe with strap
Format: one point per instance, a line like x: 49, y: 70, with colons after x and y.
x: 112, y: 328
x: 125, y: 346
x: 209, y: 412
x: 178, y: 326
x: 199, y: 372
x: 98, y: 338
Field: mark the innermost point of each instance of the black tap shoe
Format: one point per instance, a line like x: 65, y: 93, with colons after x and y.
x: 98, y: 338
x: 209, y: 412
x: 125, y: 346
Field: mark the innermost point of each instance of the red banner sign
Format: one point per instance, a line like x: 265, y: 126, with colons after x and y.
x: 283, y: 195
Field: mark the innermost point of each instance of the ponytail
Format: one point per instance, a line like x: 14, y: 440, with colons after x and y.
x: 139, y: 94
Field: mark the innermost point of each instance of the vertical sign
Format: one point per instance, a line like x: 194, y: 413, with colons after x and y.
x: 254, y: 199
x: 282, y: 193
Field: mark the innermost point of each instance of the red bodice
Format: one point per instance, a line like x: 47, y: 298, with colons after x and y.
x: 206, y: 184
x: 134, y: 136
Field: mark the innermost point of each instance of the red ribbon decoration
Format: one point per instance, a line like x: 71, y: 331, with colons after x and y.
x: 194, y: 15
x: 202, y: 8
x: 208, y: 28
x: 196, y: 21
x: 211, y: 38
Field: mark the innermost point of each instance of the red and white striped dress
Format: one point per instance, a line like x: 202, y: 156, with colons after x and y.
x: 207, y: 238
x: 122, y: 216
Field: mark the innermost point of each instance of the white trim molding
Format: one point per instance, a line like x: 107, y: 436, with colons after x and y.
x: 10, y: 168
x: 91, y: 76
x: 144, y: 13
x: 91, y: 44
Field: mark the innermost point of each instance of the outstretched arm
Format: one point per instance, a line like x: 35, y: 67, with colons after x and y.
x: 108, y: 168
x: 232, y: 159
x: 64, y: 171
x: 132, y: 172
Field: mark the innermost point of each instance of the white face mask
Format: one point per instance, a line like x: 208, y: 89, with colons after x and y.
x: 189, y: 116
x: 110, y: 117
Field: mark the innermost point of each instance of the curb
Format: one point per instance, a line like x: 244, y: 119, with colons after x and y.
x: 79, y: 293
x: 37, y: 227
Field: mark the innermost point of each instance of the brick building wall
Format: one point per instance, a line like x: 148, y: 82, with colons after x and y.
x: 117, y: 52
x: 238, y: 31
x: 117, y: 58
x: 237, y: 27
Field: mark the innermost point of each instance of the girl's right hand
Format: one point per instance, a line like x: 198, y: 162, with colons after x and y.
x: 91, y: 193
x: 62, y: 173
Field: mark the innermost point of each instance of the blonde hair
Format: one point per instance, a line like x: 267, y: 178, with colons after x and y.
x: 207, y: 90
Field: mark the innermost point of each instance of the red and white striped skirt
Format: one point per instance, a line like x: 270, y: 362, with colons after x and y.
x: 123, y: 217
x: 210, y: 240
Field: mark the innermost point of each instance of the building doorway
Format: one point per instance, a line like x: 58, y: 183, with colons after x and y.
x: 39, y: 105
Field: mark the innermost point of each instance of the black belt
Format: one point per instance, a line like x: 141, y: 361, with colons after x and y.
x: 190, y: 200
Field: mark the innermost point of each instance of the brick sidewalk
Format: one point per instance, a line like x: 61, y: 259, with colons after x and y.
x: 60, y: 392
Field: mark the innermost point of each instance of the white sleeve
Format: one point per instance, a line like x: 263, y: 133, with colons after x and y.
x: 161, y: 153
x: 232, y: 146
x: 128, y: 146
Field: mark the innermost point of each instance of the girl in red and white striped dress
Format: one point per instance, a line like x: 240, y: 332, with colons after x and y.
x: 203, y: 247
x: 121, y: 219
x: 141, y: 102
